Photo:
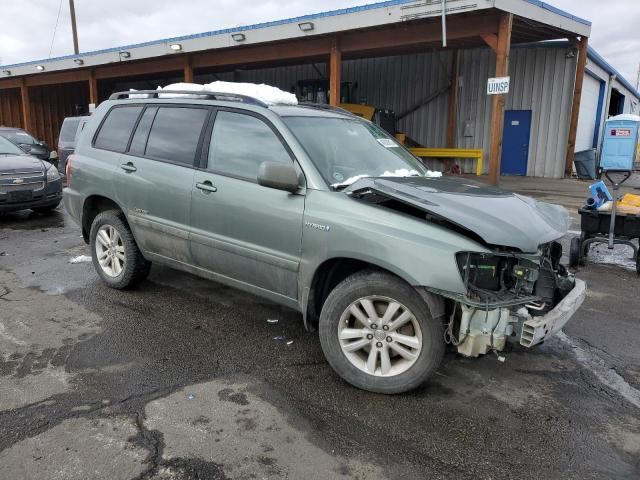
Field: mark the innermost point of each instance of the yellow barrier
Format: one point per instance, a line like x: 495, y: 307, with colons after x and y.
x: 452, y: 153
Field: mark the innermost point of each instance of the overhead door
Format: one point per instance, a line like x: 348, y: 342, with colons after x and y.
x: 589, y: 111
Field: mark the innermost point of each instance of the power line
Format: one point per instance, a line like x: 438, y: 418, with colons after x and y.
x: 55, y: 28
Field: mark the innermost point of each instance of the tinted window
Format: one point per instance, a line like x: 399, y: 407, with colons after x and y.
x: 19, y: 137
x: 175, y: 133
x: 69, y: 129
x: 116, y: 129
x: 139, y: 142
x: 240, y: 143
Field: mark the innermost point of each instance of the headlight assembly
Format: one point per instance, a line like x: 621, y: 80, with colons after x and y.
x: 52, y: 174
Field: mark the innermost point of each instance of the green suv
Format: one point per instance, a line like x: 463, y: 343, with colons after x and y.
x: 323, y: 212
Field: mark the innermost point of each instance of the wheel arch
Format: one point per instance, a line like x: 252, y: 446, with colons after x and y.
x: 332, y: 271
x: 92, y: 206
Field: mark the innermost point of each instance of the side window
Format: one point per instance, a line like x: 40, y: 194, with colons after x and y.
x: 240, y: 143
x: 175, y: 133
x: 139, y: 141
x: 116, y: 129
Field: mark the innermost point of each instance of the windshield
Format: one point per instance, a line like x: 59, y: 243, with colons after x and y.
x: 8, y: 148
x: 18, y: 137
x: 344, y: 150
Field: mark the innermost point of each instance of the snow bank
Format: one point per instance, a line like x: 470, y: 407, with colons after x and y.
x: 265, y: 93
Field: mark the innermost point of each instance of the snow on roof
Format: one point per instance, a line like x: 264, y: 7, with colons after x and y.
x: 265, y: 93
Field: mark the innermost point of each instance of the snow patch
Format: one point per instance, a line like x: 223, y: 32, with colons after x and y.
x: 80, y: 259
x: 265, y: 93
x: 402, y: 172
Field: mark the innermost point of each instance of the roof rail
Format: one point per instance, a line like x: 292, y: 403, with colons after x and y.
x: 223, y: 96
x: 324, y: 106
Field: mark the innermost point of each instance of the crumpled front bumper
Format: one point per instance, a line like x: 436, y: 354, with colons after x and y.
x: 538, y: 329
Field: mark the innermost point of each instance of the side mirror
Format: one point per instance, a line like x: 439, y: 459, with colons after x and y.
x: 279, y: 176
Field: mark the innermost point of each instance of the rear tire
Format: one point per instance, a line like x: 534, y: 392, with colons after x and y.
x: 116, y: 256
x: 380, y: 353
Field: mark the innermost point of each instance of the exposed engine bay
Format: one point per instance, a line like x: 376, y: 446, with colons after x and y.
x: 510, y: 296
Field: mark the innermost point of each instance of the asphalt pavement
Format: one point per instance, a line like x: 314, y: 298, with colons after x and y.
x: 184, y: 378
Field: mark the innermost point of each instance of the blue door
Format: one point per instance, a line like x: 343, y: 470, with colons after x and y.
x: 515, y: 142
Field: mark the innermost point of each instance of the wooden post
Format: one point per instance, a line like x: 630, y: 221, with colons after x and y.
x: 335, y: 66
x: 575, y: 107
x: 188, y: 70
x: 26, y: 107
x: 453, y: 101
x: 93, y: 88
x: 503, y: 47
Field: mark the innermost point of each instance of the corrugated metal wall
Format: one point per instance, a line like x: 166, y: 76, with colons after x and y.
x: 51, y: 104
x: 541, y: 81
x: 10, y: 108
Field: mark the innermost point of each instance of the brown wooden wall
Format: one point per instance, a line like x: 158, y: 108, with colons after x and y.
x: 50, y: 104
x: 10, y: 108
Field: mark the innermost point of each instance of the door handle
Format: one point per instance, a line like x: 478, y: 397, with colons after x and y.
x: 129, y: 167
x: 206, y: 187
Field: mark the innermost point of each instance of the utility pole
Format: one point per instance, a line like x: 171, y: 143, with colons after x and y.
x: 638, y: 78
x: 74, y: 29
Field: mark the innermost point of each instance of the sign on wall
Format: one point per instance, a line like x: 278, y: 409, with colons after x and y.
x: 498, y: 85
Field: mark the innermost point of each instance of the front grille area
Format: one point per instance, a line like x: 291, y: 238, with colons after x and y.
x: 24, y: 186
x: 18, y: 181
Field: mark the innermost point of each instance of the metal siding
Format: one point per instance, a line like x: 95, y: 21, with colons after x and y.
x: 541, y: 81
x: 10, y: 108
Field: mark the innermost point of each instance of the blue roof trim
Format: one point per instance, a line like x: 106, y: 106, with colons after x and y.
x: 312, y: 16
x: 601, y: 62
x: 558, y: 11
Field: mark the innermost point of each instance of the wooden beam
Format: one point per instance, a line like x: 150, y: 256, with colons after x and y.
x: 335, y: 70
x: 452, y: 124
x: 412, y: 34
x: 188, y: 70
x: 26, y: 107
x: 575, y: 106
x: 276, y: 52
x: 10, y: 83
x: 505, y: 24
x: 69, y: 76
x: 491, y: 39
x: 93, y: 88
x: 144, y: 67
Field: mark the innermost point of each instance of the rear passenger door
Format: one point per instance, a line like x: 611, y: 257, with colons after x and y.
x: 155, y: 177
x: 247, y: 234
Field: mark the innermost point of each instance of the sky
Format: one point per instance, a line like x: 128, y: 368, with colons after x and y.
x: 28, y: 26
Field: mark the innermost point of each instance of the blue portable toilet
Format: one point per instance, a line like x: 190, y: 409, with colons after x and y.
x: 620, y: 142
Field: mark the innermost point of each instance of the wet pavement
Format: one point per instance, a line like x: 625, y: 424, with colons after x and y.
x: 182, y: 379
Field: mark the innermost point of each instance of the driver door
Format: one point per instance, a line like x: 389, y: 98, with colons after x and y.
x: 244, y: 233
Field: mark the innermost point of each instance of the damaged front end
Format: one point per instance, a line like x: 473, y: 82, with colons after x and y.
x: 507, y: 295
x: 510, y: 298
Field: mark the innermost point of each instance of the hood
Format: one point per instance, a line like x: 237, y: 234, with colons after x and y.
x: 498, y: 217
x: 14, y: 163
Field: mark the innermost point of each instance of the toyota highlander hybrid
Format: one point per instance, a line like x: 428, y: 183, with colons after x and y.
x: 321, y: 211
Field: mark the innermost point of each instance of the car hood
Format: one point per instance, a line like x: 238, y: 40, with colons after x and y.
x: 14, y: 163
x: 498, y: 217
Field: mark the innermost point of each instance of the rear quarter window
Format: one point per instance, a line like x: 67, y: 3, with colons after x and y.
x: 69, y: 129
x: 116, y: 128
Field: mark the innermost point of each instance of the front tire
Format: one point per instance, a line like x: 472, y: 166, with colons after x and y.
x: 115, y: 254
x: 378, y: 334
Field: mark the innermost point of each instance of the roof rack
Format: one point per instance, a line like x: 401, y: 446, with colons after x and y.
x: 324, y: 106
x: 223, y: 96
